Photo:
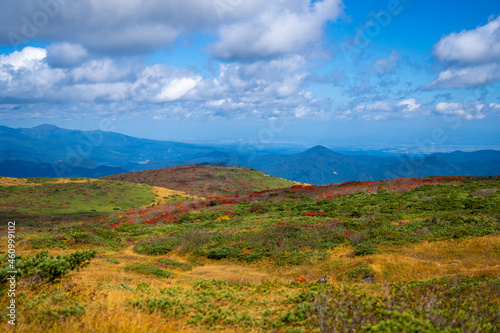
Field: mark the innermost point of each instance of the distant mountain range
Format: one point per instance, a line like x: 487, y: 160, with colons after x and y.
x: 50, y: 151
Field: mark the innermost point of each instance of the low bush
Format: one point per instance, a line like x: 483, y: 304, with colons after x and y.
x: 45, y: 267
x: 224, y: 252
x: 156, y: 246
x: 176, y: 264
x: 147, y: 269
x: 365, y: 249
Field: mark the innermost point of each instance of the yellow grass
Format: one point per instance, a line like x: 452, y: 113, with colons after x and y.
x: 165, y: 192
x: 10, y: 181
x: 107, y: 309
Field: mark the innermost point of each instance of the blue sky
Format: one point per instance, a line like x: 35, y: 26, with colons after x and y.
x: 308, y: 72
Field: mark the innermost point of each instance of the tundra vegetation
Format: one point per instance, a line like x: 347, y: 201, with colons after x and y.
x: 407, y: 255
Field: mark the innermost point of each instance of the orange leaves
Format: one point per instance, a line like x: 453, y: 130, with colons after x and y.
x: 246, y: 251
x: 114, y: 225
x: 223, y: 218
x: 301, y: 279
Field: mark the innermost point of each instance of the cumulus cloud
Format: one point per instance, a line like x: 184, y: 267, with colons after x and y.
x: 27, y: 58
x: 466, y: 77
x: 378, y: 110
x: 277, y: 30
x: 242, y: 29
x: 409, y: 105
x: 472, y: 58
x: 262, y: 89
x: 465, y: 111
x: 176, y: 89
x: 474, y: 46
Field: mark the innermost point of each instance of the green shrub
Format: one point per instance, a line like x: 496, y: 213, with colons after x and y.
x: 224, y: 252
x: 407, y: 323
x: 44, y: 267
x: 365, y: 249
x: 106, y: 234
x: 88, y: 238
x: 112, y: 260
x: 177, y: 264
x: 358, y: 273
x: 42, y: 243
x: 156, y: 246
x: 147, y: 269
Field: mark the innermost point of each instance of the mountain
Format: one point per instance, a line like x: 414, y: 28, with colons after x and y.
x: 320, y: 165
x: 84, y: 153
x: 477, y: 156
x: 73, y: 149
x: 22, y: 169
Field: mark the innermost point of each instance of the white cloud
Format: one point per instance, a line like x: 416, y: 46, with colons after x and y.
x: 409, y: 105
x: 99, y: 70
x: 176, y: 89
x: 376, y: 106
x: 278, y: 30
x: 468, y: 77
x: 215, y: 103
x: 474, y: 46
x: 235, y: 90
x: 468, y: 112
x: 472, y: 58
x: 385, y: 65
x: 26, y: 58
x: 245, y: 29
x: 379, y: 110
x: 494, y: 106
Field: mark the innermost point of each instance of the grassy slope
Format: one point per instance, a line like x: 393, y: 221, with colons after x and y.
x: 206, y: 181
x: 81, y: 198
x: 405, y: 232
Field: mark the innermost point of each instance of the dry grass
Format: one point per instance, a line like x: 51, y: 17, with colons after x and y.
x: 470, y: 256
x: 165, y: 192
x: 107, y: 310
x: 10, y: 181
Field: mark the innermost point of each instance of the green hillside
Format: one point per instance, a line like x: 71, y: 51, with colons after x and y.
x: 205, y: 180
x: 405, y: 255
x: 53, y: 198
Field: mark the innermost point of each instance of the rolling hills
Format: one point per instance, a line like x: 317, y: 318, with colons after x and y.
x: 48, y: 151
x: 205, y: 180
x: 34, y: 201
x: 417, y: 253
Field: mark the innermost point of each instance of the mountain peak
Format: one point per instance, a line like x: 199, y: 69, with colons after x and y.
x: 319, y: 150
x: 45, y: 127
